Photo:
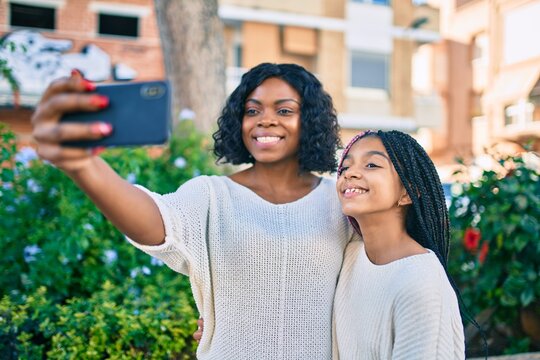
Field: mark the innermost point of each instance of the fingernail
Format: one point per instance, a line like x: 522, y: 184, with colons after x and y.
x: 101, y: 129
x: 100, y: 101
x: 88, y: 85
x: 98, y: 150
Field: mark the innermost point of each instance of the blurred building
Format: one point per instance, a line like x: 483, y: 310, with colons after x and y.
x: 491, y: 71
x: 361, y: 50
x: 378, y: 59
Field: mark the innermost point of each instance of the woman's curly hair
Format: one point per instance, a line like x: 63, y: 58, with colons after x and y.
x: 319, y: 136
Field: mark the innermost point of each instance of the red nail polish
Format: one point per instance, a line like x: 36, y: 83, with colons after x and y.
x: 98, y: 150
x: 101, y: 129
x: 100, y: 101
x: 88, y: 85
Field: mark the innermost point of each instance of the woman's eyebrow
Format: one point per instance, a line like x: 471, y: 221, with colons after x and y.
x: 277, y: 102
x: 254, y: 101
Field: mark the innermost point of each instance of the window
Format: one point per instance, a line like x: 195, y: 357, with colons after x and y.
x: 118, y: 25
x: 375, y: 2
x: 369, y: 70
x: 519, y: 114
x: 32, y: 16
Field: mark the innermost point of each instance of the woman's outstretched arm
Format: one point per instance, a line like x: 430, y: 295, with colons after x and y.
x: 130, y: 209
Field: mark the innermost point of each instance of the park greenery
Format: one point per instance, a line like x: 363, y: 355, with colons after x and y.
x: 73, y: 287
x: 495, y: 252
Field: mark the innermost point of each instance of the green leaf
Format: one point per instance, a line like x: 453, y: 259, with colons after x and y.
x: 527, y: 296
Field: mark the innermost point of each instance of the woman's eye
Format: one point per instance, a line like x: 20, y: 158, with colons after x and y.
x: 372, y: 165
x: 251, y: 112
x: 284, y: 112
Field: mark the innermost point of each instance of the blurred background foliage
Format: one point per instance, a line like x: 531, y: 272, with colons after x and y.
x: 71, y: 285
x: 495, y: 253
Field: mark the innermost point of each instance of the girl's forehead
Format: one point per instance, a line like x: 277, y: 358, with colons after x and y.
x: 367, y: 144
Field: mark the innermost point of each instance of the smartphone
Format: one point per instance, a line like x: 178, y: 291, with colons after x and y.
x: 138, y: 111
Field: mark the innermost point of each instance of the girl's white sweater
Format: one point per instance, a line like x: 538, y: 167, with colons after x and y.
x: 404, y: 310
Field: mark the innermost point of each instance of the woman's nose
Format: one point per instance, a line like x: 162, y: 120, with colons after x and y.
x: 266, y: 119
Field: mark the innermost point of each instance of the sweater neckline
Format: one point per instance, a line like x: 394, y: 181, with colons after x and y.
x: 406, y: 259
x: 254, y: 195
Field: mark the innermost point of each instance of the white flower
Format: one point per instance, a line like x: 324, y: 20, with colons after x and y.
x: 88, y: 227
x: 110, y: 256
x: 146, y: 270
x: 186, y: 114
x: 131, y: 178
x: 33, y: 186
x: 30, y: 252
x: 25, y: 155
x: 7, y: 186
x: 53, y: 192
x: 180, y: 162
x: 134, y: 272
x: 156, y: 262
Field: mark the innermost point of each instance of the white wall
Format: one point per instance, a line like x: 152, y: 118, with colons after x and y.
x: 521, y: 29
x: 369, y: 28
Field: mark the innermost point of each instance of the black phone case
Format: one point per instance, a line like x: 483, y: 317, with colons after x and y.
x: 139, y: 113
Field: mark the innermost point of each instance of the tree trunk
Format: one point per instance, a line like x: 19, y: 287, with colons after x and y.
x: 194, y: 53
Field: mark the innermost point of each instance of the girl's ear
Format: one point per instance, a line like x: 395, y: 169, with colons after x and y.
x: 405, y: 199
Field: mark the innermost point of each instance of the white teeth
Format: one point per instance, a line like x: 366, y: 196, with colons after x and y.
x: 267, y: 139
x: 355, y: 190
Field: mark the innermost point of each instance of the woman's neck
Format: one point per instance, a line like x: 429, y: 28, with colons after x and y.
x: 386, y: 239
x: 277, y: 183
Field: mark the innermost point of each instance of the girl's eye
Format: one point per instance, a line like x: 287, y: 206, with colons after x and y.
x: 342, y: 170
x: 372, y: 165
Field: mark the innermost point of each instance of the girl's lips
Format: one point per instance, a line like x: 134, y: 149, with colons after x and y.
x: 350, y: 193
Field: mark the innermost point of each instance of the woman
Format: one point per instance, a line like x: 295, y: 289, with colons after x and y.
x: 263, y: 247
x: 394, y: 299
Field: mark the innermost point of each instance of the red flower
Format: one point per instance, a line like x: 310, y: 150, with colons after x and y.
x: 471, y: 240
x: 483, y: 252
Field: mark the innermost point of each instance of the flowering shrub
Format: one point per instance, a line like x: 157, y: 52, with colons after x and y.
x: 71, y: 286
x: 495, y: 254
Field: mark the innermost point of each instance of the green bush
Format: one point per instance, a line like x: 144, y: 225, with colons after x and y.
x: 495, y: 254
x: 71, y: 286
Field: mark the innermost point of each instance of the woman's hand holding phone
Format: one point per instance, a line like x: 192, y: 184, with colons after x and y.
x: 131, y: 210
x: 63, y: 96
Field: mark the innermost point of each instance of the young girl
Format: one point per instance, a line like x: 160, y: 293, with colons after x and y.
x: 263, y: 247
x: 394, y: 299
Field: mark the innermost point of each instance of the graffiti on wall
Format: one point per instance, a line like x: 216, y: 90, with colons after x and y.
x: 36, y: 60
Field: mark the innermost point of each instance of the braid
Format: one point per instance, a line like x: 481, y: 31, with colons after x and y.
x: 427, y: 221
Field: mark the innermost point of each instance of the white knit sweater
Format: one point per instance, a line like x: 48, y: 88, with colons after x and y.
x: 405, y: 310
x: 263, y: 275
